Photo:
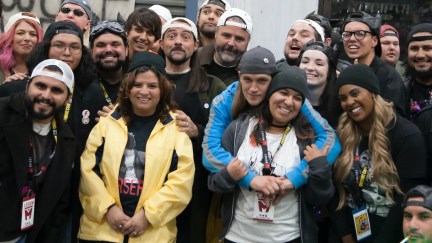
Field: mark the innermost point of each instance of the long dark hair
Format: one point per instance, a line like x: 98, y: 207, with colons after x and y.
x: 165, y: 105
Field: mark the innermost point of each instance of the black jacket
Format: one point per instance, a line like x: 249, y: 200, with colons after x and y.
x: 53, y: 199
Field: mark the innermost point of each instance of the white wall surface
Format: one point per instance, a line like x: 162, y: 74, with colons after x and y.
x: 272, y: 20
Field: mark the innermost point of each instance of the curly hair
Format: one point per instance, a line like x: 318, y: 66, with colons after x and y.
x: 384, y: 171
x: 7, y: 59
x: 165, y: 105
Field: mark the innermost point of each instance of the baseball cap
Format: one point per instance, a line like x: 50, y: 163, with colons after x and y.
x: 21, y: 15
x: 423, y: 27
x: 388, y: 30
x: 65, y: 27
x: 67, y: 76
x: 221, y: 3
x: 257, y: 60
x: 318, y: 28
x: 109, y: 26
x: 162, y: 11
x: 323, y: 21
x: 83, y: 4
x: 182, y: 23
x: 236, y: 12
x: 419, y: 191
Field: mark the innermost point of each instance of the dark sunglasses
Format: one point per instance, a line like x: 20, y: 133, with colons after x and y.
x: 76, y: 12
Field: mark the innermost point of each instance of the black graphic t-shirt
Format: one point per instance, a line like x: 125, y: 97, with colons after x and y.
x: 131, y: 175
x: 374, y: 197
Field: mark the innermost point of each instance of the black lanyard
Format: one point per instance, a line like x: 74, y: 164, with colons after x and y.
x: 267, y: 163
x: 32, y: 170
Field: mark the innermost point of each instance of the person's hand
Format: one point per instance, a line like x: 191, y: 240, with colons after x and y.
x: 104, y: 112
x: 265, y: 184
x: 236, y: 169
x: 16, y: 76
x: 116, y: 218
x: 136, y: 225
x: 185, y: 124
x: 348, y: 239
x: 285, y: 186
x: 311, y: 152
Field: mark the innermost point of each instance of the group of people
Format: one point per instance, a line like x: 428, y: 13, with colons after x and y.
x: 155, y: 128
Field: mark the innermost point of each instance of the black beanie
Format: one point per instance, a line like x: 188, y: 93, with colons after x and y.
x: 149, y: 59
x: 63, y: 27
x: 291, y: 77
x: 423, y: 27
x: 361, y: 75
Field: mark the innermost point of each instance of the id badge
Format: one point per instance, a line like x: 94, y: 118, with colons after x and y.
x: 261, y: 212
x: 27, y: 212
x: 362, y: 223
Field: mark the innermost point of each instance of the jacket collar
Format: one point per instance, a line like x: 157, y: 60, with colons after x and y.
x: 116, y: 115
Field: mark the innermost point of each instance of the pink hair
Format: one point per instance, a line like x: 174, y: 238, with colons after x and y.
x: 7, y: 59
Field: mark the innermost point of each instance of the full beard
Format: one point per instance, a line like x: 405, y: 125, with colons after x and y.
x: 42, y: 114
x: 229, y: 59
x: 180, y: 61
x: 109, y: 68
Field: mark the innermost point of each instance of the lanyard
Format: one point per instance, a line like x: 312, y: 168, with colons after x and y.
x: 107, y: 98
x: 32, y: 170
x: 360, y: 174
x: 267, y: 163
x: 67, y: 108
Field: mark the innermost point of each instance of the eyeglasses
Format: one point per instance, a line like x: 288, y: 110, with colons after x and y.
x: 110, y: 26
x: 76, y: 12
x: 61, y: 48
x: 358, y: 34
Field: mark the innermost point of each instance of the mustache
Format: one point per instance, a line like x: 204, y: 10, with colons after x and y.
x: 177, y: 48
x: 113, y: 54
x: 41, y: 99
x: 231, y: 49
x: 423, y: 59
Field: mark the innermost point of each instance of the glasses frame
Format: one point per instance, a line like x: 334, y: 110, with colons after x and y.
x: 71, y: 50
x: 355, y: 33
x: 76, y: 12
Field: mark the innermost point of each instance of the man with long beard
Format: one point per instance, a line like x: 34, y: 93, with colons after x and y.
x: 233, y: 33
x: 109, y: 48
x: 193, y: 93
x: 419, y: 88
x: 37, y: 153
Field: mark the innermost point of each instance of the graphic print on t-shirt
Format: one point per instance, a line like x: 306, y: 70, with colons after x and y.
x: 375, y: 198
x: 131, y: 175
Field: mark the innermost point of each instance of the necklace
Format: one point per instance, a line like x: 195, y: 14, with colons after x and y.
x: 278, y: 126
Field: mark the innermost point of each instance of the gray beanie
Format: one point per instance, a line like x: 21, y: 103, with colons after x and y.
x: 257, y: 60
x: 291, y: 77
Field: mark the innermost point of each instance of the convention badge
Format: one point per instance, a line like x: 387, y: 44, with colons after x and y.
x: 362, y: 224
x: 85, y: 119
x: 261, y: 212
x: 27, y: 212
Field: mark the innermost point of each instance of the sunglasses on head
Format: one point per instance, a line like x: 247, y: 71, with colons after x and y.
x: 76, y: 12
x: 110, y: 26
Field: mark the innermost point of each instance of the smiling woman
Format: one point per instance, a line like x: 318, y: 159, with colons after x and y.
x: 22, y: 33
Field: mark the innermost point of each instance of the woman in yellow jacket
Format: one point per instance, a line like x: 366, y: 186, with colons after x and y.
x: 137, y: 168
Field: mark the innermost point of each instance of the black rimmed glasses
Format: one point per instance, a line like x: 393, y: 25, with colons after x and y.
x: 60, y: 47
x: 76, y: 12
x: 358, y: 34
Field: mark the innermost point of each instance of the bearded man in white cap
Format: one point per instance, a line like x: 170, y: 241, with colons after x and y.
x: 37, y: 152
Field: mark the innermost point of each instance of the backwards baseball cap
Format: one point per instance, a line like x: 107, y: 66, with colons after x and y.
x: 107, y: 26
x: 83, y: 4
x: 318, y: 28
x: 423, y: 27
x: 63, y: 27
x: 181, y: 23
x: 374, y: 24
x: 388, y: 30
x: 289, y: 77
x: 361, y: 75
x: 67, y: 76
x: 322, y: 47
x: 21, y: 15
x: 322, y: 21
x: 149, y: 59
x: 221, y: 3
x: 419, y: 191
x: 224, y: 19
x: 162, y: 11
x: 257, y: 60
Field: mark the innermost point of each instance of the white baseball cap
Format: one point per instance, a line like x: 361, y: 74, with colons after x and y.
x: 21, y: 15
x: 182, y: 23
x: 66, y: 77
x: 162, y: 11
x: 222, y: 3
x: 236, y: 12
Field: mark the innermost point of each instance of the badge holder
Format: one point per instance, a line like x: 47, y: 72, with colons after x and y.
x: 261, y: 211
x: 27, y: 211
x: 362, y: 223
